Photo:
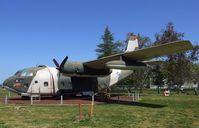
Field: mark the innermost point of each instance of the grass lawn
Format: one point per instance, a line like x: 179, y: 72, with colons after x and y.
x: 176, y: 111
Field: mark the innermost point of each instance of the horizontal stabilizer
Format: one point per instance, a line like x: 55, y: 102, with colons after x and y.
x: 143, y: 54
x: 159, y: 50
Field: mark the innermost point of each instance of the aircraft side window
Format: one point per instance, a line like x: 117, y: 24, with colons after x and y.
x: 45, y: 84
x: 36, y: 82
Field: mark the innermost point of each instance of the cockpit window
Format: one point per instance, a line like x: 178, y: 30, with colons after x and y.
x: 18, y: 73
x: 23, y: 73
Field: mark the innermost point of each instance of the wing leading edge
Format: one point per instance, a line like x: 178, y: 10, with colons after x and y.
x: 143, y: 54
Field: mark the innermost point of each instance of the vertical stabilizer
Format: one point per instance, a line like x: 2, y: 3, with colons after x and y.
x: 132, y: 43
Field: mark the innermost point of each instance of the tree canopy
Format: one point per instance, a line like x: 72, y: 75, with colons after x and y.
x: 108, y: 46
x: 178, y: 67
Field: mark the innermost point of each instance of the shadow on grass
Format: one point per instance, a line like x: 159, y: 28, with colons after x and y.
x: 131, y: 103
x: 137, y: 104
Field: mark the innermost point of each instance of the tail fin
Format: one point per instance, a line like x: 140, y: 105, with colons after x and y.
x: 132, y: 43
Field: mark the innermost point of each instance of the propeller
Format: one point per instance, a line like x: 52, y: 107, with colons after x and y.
x: 63, y: 62
x: 56, y: 63
x: 59, y: 67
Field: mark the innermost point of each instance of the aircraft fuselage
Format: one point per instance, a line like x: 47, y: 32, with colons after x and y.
x: 45, y: 80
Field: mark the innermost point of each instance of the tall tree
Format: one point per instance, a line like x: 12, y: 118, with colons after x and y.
x: 168, y: 35
x: 108, y: 46
x: 177, y: 68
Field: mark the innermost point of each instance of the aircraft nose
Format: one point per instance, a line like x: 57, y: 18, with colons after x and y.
x: 19, y: 82
x: 4, y: 83
x: 7, y: 82
x: 15, y: 84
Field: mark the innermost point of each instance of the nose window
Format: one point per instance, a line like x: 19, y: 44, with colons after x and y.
x: 19, y: 80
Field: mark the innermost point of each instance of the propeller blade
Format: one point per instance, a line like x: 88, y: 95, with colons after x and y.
x: 63, y: 62
x: 56, y: 63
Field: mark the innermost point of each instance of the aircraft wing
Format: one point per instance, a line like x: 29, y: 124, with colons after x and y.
x: 143, y: 54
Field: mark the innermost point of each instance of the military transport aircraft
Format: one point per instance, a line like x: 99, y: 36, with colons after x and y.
x: 91, y: 76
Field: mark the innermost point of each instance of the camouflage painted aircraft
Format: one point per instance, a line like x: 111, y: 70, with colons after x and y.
x: 92, y: 76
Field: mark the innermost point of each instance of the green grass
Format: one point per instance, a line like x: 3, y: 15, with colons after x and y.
x: 4, y: 92
x: 176, y: 111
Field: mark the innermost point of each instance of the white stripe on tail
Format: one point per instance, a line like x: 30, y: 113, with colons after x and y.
x: 132, y: 43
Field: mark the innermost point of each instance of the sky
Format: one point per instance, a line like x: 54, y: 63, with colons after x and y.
x: 33, y: 32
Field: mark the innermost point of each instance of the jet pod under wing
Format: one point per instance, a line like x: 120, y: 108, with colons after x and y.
x: 143, y: 54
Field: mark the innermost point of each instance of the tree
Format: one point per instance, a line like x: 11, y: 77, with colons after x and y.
x: 195, y: 68
x: 168, y: 35
x: 177, y: 68
x: 108, y: 46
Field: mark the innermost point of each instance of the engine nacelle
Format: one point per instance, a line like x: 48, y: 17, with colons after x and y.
x: 77, y: 68
x: 73, y: 67
x: 125, y: 65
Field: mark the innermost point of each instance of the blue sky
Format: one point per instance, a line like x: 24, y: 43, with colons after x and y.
x: 33, y: 32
